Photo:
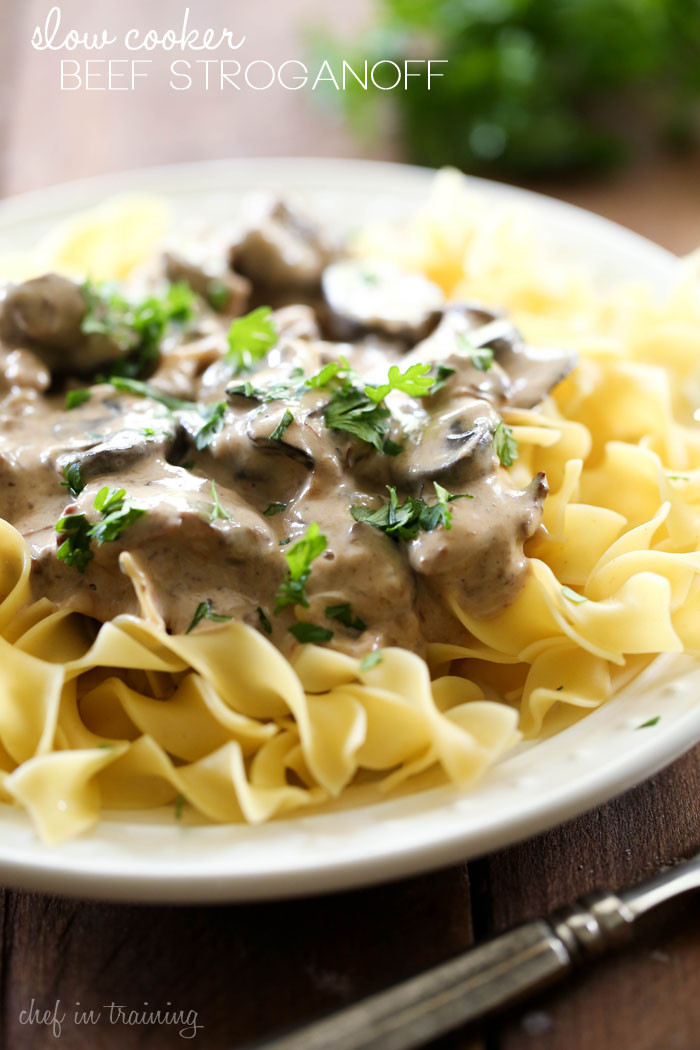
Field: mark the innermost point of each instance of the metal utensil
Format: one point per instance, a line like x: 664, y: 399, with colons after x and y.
x: 493, y: 975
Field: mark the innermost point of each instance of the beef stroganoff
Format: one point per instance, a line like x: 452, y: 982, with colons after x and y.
x: 283, y: 515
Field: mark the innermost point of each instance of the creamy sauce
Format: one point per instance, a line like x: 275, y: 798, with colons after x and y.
x: 180, y: 552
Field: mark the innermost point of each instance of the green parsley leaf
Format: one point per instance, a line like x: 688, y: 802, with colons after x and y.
x: 247, y: 390
x: 333, y: 370
x: 213, y: 425
x: 370, y: 660
x: 343, y: 614
x: 573, y: 596
x: 404, y: 521
x: 250, y: 338
x: 218, y: 295
x: 414, y: 381
x: 299, y: 559
x: 73, y: 479
x: 179, y: 806
x: 309, y: 633
x: 264, y: 622
x: 442, y: 374
x: 390, y: 448
x: 217, y: 510
x: 279, y: 431
x: 75, y: 549
x: 504, y: 444
x: 126, y: 385
x: 204, y: 612
x: 651, y: 722
x: 74, y: 398
x: 136, y: 327
x: 274, y: 508
x: 115, y: 523
x: 481, y: 356
x: 351, y: 410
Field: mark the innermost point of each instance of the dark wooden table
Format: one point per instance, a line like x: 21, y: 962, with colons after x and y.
x: 247, y: 970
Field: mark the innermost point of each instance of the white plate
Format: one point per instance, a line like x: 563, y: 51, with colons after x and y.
x: 150, y: 857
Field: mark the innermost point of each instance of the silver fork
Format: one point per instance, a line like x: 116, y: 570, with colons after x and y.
x: 495, y: 974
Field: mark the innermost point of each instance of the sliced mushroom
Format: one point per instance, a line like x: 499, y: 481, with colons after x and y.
x: 378, y: 296
x: 455, y: 447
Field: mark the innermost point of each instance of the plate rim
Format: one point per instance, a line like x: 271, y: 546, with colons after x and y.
x: 48, y: 870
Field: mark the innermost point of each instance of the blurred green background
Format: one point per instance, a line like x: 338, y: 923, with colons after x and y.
x: 533, y: 87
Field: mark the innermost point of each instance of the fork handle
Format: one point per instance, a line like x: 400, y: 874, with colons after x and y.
x: 495, y: 974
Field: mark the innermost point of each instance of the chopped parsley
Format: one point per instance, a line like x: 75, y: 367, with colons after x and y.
x: 127, y: 385
x: 74, y: 398
x: 179, y: 806
x: 573, y: 596
x: 299, y: 559
x: 118, y: 514
x: 218, y: 295
x: 274, y: 508
x: 204, y: 612
x: 404, y: 521
x: 309, y: 633
x: 136, y: 327
x: 73, y: 479
x: 504, y: 444
x: 370, y: 660
x: 250, y: 338
x: 481, y: 356
x: 217, y: 511
x: 343, y: 614
x: 650, y: 722
x: 279, y: 431
x: 333, y: 370
x: 75, y: 548
x: 442, y: 374
x: 213, y: 424
x: 415, y: 381
x: 264, y: 622
x: 350, y: 409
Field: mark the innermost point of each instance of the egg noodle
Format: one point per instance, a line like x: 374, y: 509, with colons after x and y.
x: 224, y: 728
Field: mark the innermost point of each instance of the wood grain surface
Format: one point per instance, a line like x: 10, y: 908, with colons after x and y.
x: 248, y: 970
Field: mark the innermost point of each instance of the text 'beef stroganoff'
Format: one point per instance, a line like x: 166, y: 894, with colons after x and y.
x: 283, y: 477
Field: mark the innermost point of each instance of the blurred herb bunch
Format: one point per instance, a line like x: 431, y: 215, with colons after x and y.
x: 533, y: 87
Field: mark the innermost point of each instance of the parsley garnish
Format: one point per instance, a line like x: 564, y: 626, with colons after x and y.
x: 204, y: 612
x: 136, y: 327
x: 117, y: 515
x: 442, y: 374
x: 343, y: 614
x: 333, y: 370
x: 414, y: 381
x: 651, y: 722
x: 278, y: 433
x: 573, y: 596
x: 481, y: 356
x: 250, y: 338
x: 74, y: 398
x: 370, y: 660
x: 217, y: 295
x: 213, y: 425
x: 404, y: 521
x: 299, y: 560
x: 309, y: 633
x: 504, y: 444
x: 264, y: 622
x: 127, y: 385
x: 349, y: 409
x: 217, y: 511
x: 274, y: 508
x: 73, y: 479
x: 179, y: 805
x: 75, y: 549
